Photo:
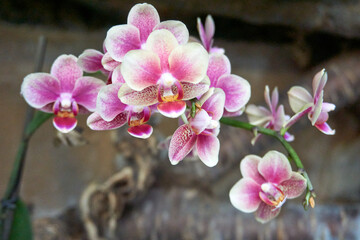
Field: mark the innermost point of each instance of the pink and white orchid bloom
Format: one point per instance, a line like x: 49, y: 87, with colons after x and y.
x: 111, y: 113
x: 207, y: 34
x: 266, y: 184
x: 64, y: 91
x: 272, y: 119
x: 201, y: 132
x: 164, y: 72
x: 237, y: 89
x: 301, y: 102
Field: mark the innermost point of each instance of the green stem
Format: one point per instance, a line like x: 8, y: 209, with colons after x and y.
x: 293, y: 155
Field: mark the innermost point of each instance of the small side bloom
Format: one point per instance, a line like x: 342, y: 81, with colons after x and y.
x: 64, y: 91
x: 301, y: 102
x: 266, y: 184
x: 273, y: 118
x: 200, y: 134
x: 207, y: 34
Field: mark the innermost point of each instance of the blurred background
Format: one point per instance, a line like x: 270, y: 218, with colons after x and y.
x: 107, y: 185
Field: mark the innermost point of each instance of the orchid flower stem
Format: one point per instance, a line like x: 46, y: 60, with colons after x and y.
x: 293, y: 155
x: 32, y: 122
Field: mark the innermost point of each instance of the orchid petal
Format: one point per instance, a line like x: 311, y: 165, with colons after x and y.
x: 177, y: 28
x: 288, y: 137
x: 145, y: 97
x: 298, y: 98
x: 64, y: 124
x: 275, y: 167
x: 90, y: 60
x: 325, y: 128
x: 237, y: 91
x: 108, y: 105
x: 327, y: 107
x: 121, y: 39
x: 244, y: 195
x: 145, y: 18
x: 189, y: 63
x: 195, y: 90
x: 202, y: 34
x: 318, y: 83
x: 249, y: 168
x: 95, y: 122
x: 257, y: 115
x: 274, y: 99
x: 108, y: 62
x: 40, y: 89
x: 117, y: 76
x: 86, y: 90
x: 200, y: 121
x: 142, y: 131
x: 172, y: 109
x: 67, y: 71
x: 181, y: 143
x: 233, y: 114
x: 307, y: 108
x: 266, y: 212
x: 316, y: 111
x: 208, y: 147
x: 294, y: 186
x: 209, y: 28
x: 214, y: 105
x: 219, y: 65
x: 279, y: 118
x: 162, y: 42
x: 141, y: 69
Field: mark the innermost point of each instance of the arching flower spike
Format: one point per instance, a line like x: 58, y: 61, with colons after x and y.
x: 266, y: 184
x: 301, y: 102
x: 64, y: 91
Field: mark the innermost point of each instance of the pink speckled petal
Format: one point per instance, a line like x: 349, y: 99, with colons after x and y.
x: 121, y: 39
x: 237, y: 91
x: 142, y: 131
x: 40, y: 89
x: 244, y: 195
x: 64, y: 124
x: 145, y: 18
x: 90, y: 60
x: 141, y: 69
x: 108, y: 62
x: 208, y: 147
x: 67, y: 71
x: 181, y: 143
x: 275, y: 167
x: 86, y: 90
x: 265, y: 213
x: 108, y: 105
x: 191, y: 90
x: 200, y: 121
x: 95, y: 122
x: 215, y: 104
x: 117, y: 76
x: 177, y: 28
x: 219, y: 65
x: 249, y: 168
x: 162, y: 42
x: 325, y: 128
x: 189, y: 63
x: 294, y: 186
x: 172, y: 109
x: 145, y: 97
x: 298, y: 98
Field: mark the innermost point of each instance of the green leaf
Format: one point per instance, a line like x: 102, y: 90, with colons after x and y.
x: 21, y: 228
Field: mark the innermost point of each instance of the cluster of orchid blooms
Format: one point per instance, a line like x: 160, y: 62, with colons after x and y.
x: 152, y: 67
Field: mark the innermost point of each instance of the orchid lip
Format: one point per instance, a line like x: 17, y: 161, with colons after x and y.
x: 272, y: 195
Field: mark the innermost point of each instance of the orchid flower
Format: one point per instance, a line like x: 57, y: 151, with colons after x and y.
x: 142, y: 20
x: 64, y: 91
x: 301, y: 102
x: 164, y: 72
x: 207, y: 33
x: 266, y: 184
x: 200, y: 132
x: 111, y: 113
x: 273, y: 118
x: 237, y: 89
